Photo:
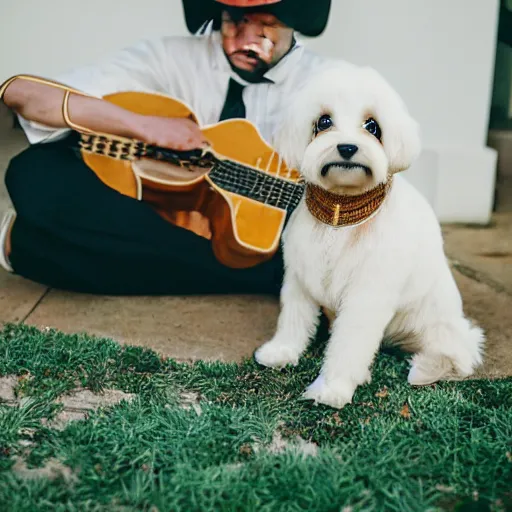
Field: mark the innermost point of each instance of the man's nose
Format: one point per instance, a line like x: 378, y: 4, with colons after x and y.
x: 250, y: 32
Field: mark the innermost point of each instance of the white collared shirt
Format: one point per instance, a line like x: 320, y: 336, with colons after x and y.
x: 192, y: 69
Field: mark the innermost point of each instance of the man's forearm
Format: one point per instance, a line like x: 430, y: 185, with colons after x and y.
x: 43, y: 104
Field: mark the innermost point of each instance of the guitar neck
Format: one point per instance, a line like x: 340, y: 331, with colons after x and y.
x: 255, y: 184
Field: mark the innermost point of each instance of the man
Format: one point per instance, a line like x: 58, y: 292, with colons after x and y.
x: 69, y: 230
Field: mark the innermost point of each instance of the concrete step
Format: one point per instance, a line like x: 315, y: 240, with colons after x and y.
x: 500, y: 139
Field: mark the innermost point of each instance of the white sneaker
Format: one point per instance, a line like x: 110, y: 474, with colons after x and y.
x: 5, y: 226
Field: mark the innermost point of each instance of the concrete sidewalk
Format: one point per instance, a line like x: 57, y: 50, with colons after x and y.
x: 229, y: 328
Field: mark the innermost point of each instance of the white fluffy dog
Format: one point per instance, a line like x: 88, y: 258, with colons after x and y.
x: 386, y: 278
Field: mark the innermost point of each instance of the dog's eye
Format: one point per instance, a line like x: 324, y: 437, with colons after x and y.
x: 371, y: 126
x: 324, y: 123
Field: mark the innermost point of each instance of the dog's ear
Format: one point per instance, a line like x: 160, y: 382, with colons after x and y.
x: 401, y: 141
x: 400, y: 131
x: 292, y: 135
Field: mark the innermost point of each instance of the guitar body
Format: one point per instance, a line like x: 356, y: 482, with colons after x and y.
x: 243, y: 231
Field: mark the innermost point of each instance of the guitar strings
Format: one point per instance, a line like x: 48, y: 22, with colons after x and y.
x: 246, y: 177
x: 256, y: 185
x: 279, y: 167
x: 275, y: 180
x: 253, y: 183
x: 285, y: 195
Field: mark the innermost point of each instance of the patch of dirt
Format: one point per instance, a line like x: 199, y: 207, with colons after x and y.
x: 60, y: 421
x: 279, y: 445
x: 80, y: 401
x: 7, y: 385
x: 190, y: 400
x: 84, y: 399
x: 305, y: 447
x: 52, y: 470
x: 76, y: 404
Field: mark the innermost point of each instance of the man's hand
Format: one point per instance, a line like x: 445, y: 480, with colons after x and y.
x: 174, y: 133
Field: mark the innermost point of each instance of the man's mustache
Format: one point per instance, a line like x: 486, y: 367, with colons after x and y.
x: 262, y: 53
x: 248, y: 53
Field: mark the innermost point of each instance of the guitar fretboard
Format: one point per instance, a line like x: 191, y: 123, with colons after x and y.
x: 230, y: 176
x: 257, y: 185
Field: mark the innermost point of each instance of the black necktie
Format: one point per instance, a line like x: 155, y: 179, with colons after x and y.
x: 234, y: 104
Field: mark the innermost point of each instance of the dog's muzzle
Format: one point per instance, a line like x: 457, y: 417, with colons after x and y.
x: 346, y: 166
x: 346, y: 151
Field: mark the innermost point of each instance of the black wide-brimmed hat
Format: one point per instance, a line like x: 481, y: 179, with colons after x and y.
x: 308, y: 17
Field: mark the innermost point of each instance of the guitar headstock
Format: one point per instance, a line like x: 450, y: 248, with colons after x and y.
x: 126, y: 149
x: 117, y: 148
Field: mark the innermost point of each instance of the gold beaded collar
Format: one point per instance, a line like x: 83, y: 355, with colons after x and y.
x: 342, y: 210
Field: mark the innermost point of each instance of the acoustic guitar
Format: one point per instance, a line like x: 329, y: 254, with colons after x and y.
x: 241, y: 185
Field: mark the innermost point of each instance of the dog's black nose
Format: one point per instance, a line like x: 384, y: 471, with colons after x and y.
x: 347, y: 151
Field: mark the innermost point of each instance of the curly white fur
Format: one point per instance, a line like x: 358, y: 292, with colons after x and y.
x: 387, y: 278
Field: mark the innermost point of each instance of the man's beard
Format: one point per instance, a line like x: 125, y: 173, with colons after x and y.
x: 258, y: 71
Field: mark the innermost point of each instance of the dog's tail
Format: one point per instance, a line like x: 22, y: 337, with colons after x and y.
x: 450, y: 351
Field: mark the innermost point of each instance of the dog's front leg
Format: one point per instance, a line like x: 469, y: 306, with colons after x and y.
x: 356, y: 335
x: 296, y: 325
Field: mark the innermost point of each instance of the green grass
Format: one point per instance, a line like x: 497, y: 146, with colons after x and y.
x: 449, y: 449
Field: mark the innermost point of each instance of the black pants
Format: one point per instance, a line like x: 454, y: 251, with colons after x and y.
x: 72, y: 232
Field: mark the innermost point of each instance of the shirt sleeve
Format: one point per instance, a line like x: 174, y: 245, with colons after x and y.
x: 137, y: 68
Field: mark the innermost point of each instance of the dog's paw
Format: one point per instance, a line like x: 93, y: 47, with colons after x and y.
x: 275, y: 354
x: 336, y: 394
x: 427, y: 369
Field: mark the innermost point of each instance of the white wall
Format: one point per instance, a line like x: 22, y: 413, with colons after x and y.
x: 49, y: 36
x: 439, y: 54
